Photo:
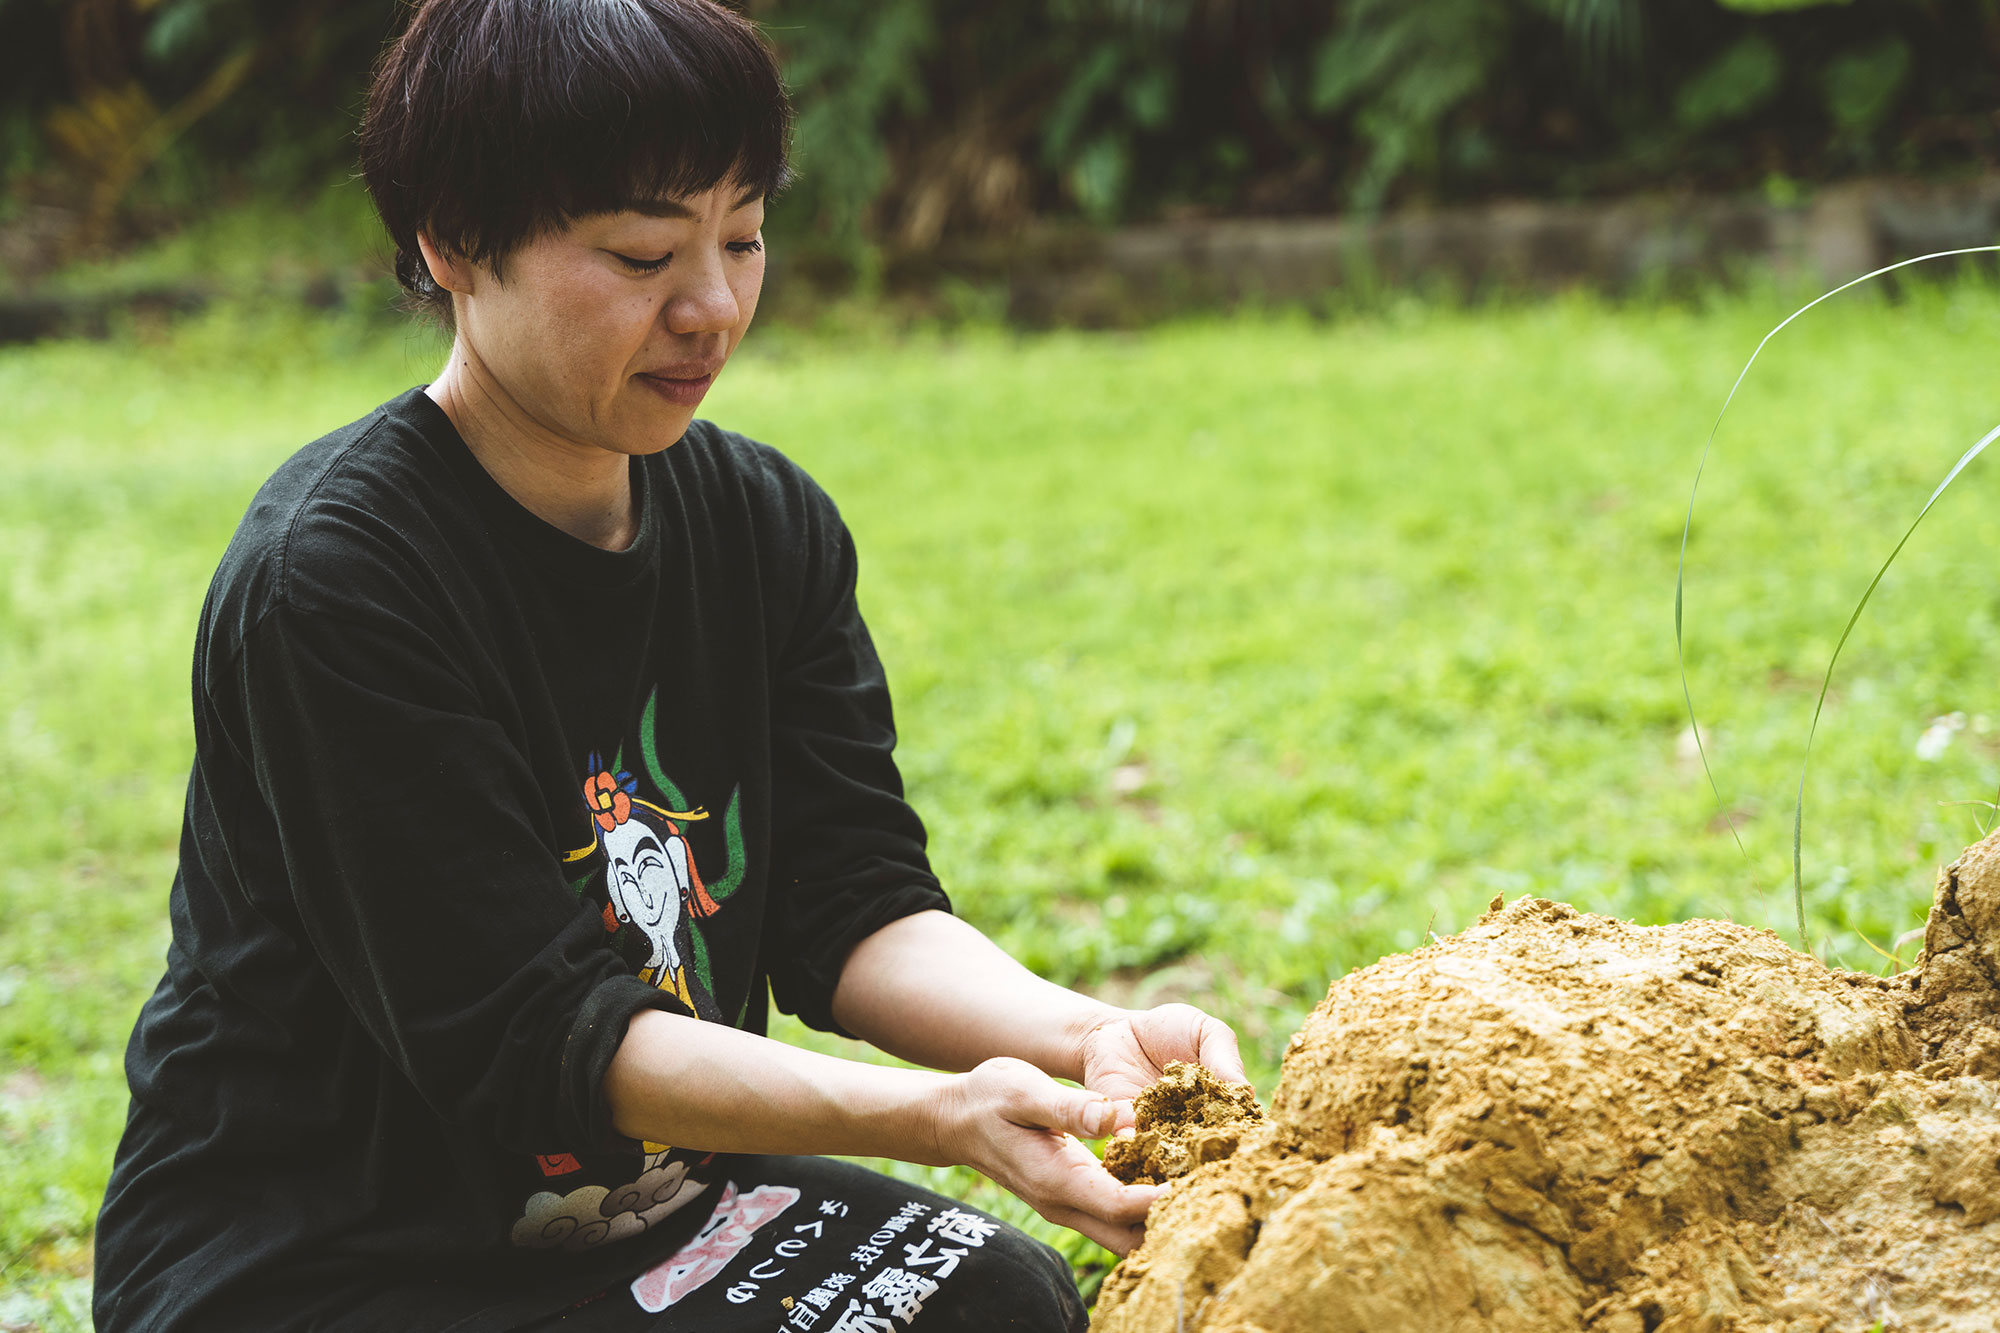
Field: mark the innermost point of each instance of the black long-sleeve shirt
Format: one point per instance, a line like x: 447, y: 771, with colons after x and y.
x: 467, y: 794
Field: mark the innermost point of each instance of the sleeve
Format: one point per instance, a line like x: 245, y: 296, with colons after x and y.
x: 418, y: 866
x: 849, y: 850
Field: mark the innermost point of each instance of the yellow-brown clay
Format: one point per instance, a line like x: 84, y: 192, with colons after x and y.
x: 1558, y: 1121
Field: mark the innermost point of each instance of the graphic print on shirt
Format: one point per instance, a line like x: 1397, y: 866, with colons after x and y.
x: 657, y: 902
x: 798, y: 1265
x: 731, y: 1227
x: 591, y: 1215
x: 650, y: 875
x: 652, y: 880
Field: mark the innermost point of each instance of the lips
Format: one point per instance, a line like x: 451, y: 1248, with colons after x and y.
x: 693, y: 370
x: 683, y: 385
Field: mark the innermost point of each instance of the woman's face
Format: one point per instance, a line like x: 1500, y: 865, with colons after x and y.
x: 607, y: 334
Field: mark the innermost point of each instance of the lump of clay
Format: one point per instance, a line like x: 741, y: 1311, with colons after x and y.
x: 1955, y: 995
x: 1187, y: 1118
x: 1556, y: 1122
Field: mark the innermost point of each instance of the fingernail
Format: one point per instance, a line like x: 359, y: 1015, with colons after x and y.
x: 1096, y: 1119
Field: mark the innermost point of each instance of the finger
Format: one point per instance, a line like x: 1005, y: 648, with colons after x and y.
x: 1094, y: 1203
x: 1218, y: 1051
x: 1078, y: 1111
x: 1177, y: 1031
x: 1086, y: 1186
x: 1120, y: 1240
x: 1120, y: 1234
x: 1073, y: 1189
x: 1133, y: 1203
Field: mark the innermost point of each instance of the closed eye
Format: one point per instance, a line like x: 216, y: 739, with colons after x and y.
x: 638, y: 265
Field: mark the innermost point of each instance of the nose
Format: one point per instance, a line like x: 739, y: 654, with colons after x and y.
x: 705, y: 302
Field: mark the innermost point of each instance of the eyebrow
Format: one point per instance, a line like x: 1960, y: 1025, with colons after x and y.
x: 674, y: 208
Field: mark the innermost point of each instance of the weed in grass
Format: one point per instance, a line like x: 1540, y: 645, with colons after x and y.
x: 1826, y: 682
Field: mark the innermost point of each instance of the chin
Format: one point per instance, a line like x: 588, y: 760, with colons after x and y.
x: 657, y: 433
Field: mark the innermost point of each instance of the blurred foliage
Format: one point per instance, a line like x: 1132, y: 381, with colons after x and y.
x: 922, y: 120
x: 96, y: 93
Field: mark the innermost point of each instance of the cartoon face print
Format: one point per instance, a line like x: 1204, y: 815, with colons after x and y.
x: 651, y: 880
x: 647, y: 870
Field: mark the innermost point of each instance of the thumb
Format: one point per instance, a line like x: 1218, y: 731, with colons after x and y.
x: 1086, y: 1114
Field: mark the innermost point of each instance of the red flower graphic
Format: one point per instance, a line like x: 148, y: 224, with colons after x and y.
x: 608, y: 802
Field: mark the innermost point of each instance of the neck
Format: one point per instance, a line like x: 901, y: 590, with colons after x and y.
x: 586, y: 492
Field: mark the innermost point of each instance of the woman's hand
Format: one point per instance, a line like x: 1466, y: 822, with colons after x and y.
x: 1019, y: 1127
x: 1121, y: 1056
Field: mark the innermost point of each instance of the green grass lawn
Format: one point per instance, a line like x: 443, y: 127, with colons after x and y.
x: 1228, y: 656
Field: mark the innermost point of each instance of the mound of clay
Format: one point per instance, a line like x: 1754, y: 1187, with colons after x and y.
x: 1558, y: 1121
x: 1187, y: 1118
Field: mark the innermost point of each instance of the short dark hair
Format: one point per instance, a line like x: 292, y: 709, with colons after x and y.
x: 491, y: 122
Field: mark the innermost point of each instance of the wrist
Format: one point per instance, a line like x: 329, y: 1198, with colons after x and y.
x: 937, y: 1137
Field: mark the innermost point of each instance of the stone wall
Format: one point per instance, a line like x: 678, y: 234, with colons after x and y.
x: 1064, y: 276
x: 1067, y: 275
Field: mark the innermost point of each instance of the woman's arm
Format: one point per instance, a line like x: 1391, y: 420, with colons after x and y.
x: 678, y: 1080
x: 933, y: 990
x: 712, y: 1088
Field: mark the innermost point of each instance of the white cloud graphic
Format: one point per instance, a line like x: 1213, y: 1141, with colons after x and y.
x: 592, y: 1215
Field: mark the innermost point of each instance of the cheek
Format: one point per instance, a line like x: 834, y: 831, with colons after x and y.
x: 591, y: 329
x: 748, y: 286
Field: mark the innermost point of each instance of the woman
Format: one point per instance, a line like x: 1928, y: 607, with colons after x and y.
x: 461, y: 1024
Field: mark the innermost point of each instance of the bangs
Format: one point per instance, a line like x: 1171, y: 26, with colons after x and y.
x: 491, y: 122
x: 623, y: 112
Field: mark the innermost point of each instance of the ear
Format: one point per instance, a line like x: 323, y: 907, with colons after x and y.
x: 451, y: 274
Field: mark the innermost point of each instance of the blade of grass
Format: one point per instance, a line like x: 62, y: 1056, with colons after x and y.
x: 1799, y: 811
x: 1680, y: 572
x: 1977, y: 819
x: 1893, y: 960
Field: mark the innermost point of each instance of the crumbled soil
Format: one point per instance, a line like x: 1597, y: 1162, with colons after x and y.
x: 1558, y: 1121
x: 1189, y: 1117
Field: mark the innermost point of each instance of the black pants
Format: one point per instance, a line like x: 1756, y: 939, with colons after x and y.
x: 812, y: 1245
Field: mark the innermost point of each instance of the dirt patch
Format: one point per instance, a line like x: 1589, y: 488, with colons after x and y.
x: 1559, y: 1121
x: 1187, y: 1118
